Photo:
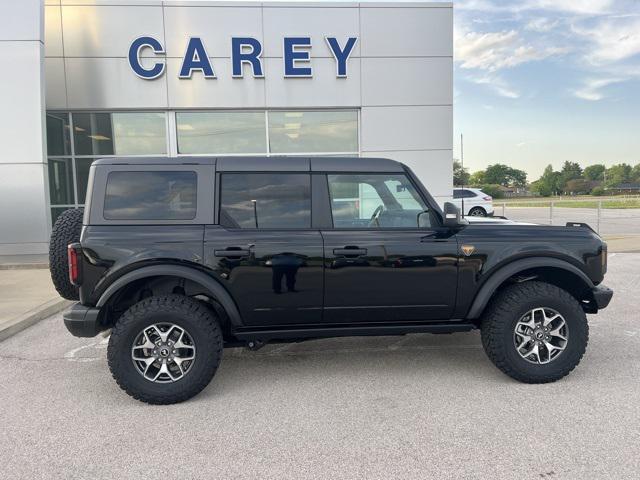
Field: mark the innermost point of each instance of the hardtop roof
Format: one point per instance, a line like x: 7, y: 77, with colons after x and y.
x: 267, y: 164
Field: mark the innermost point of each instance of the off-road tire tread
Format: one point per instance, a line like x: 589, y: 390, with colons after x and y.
x: 66, y: 230
x: 499, y: 314
x: 167, y: 303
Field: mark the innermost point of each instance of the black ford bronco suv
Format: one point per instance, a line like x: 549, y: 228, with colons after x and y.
x: 181, y: 257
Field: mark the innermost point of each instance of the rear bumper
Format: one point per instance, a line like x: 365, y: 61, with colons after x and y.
x: 602, y: 296
x: 82, y: 321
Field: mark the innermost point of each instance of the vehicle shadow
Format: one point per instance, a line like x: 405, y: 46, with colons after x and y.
x: 352, y: 360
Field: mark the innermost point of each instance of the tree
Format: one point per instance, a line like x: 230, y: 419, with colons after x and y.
x: 504, y: 175
x: 478, y: 178
x: 460, y: 175
x: 549, y: 183
x: 616, y: 174
x: 635, y: 173
x: 578, y: 185
x: 595, y: 172
x: 570, y: 171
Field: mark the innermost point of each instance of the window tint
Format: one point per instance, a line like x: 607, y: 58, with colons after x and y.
x: 150, y: 196
x: 463, y: 194
x: 374, y: 201
x: 265, y: 200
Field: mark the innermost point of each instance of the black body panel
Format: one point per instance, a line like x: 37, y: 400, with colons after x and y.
x: 276, y: 275
x: 389, y: 275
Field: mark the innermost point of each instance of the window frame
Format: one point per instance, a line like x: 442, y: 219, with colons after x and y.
x: 218, y: 195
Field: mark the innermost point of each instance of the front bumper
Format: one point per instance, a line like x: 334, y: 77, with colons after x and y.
x: 82, y: 321
x: 602, y: 296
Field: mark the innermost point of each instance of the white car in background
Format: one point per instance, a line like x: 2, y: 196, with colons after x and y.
x: 473, y: 202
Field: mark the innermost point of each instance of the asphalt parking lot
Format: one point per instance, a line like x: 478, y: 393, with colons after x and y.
x: 420, y: 406
x: 612, y: 221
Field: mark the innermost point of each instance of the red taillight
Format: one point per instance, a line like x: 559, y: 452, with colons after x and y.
x: 74, y: 263
x: 487, y: 198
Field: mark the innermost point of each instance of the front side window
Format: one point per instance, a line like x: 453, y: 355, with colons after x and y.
x: 265, y: 200
x: 150, y: 195
x: 374, y: 201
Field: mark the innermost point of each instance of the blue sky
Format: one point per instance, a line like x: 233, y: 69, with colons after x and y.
x: 544, y: 81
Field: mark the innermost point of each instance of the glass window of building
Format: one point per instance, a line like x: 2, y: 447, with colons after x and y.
x: 58, y: 138
x: 313, y: 131
x: 139, y: 133
x: 219, y: 133
x: 265, y: 200
x: 92, y: 133
x: 61, y: 181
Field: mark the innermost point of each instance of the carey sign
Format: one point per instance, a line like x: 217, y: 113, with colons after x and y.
x: 296, y: 56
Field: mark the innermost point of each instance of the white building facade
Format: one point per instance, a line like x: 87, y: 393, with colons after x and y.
x: 89, y: 79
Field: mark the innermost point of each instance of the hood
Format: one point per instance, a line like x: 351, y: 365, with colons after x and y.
x: 494, y: 220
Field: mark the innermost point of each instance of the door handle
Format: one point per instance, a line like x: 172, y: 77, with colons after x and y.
x: 232, y: 252
x: 350, y: 252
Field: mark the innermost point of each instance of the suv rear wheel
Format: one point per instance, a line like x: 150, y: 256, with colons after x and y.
x: 535, y: 332
x: 165, y: 349
x: 477, y: 212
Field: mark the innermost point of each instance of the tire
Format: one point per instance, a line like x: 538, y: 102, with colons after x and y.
x: 66, y: 230
x: 509, y: 307
x: 477, y: 212
x: 184, y: 312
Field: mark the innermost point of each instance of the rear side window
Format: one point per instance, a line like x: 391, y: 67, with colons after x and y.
x: 265, y: 200
x: 151, y: 195
x: 463, y: 194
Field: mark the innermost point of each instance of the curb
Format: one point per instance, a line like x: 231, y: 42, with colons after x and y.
x: 32, y: 317
x: 24, y: 266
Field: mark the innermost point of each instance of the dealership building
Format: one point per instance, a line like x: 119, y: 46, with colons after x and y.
x: 90, y: 79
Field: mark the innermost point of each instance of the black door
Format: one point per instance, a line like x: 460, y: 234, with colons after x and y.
x: 379, y: 264
x: 264, y: 249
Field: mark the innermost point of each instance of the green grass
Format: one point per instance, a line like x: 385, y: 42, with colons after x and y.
x: 607, y: 203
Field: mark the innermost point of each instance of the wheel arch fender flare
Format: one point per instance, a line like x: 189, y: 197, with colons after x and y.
x: 507, y: 271
x: 212, y: 285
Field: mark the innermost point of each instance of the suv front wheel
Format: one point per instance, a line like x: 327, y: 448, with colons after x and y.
x: 165, y: 349
x: 535, y: 332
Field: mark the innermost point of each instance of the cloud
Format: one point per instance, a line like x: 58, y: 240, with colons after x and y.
x: 611, y: 39
x: 541, y: 24
x: 493, y: 51
x: 497, y: 84
x: 585, y: 7
x: 591, y: 90
x: 578, y: 7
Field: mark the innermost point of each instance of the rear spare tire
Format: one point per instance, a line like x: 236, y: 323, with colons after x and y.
x: 66, y: 230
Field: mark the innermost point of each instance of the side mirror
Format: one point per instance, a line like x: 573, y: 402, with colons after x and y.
x: 451, y: 215
x: 424, y: 219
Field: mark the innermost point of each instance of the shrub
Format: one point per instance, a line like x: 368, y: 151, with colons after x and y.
x: 492, y: 190
x: 597, y: 191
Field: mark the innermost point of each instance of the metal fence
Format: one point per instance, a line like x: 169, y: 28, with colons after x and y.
x: 608, y: 217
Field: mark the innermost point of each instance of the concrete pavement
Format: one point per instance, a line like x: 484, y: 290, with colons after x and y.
x: 419, y: 406
x: 26, y: 297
